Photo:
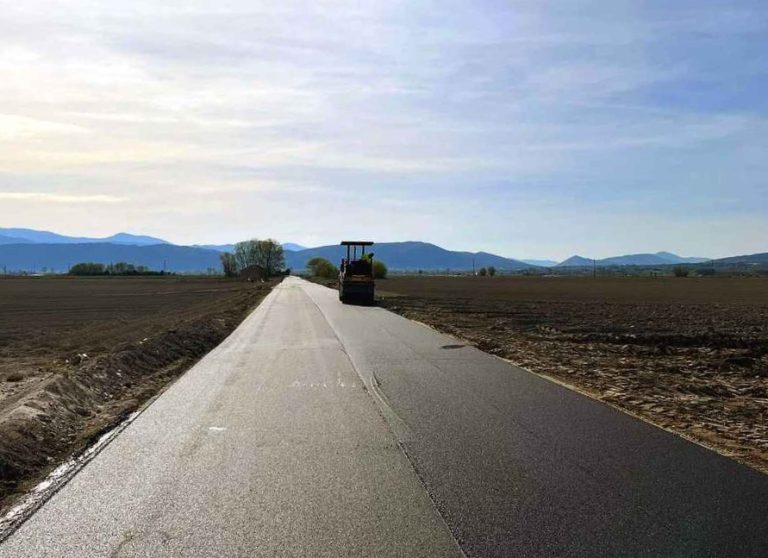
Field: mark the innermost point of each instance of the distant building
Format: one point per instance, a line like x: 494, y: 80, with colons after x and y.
x: 252, y: 273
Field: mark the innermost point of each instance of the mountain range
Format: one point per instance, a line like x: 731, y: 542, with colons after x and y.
x: 541, y: 263
x: 411, y: 256
x: 289, y: 246
x: 29, y: 250
x: 749, y: 260
x: 659, y: 258
x: 60, y: 257
x: 24, y: 236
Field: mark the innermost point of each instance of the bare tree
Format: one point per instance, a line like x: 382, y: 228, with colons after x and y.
x: 245, y: 254
x: 229, y: 264
x: 267, y: 254
x: 270, y: 256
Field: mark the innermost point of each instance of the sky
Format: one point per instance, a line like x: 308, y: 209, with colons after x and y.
x: 525, y: 128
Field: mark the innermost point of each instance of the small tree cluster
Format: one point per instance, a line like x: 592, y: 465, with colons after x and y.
x: 88, y: 268
x: 379, y: 270
x: 681, y: 271
x: 119, y: 268
x: 482, y: 272
x: 228, y: 264
x: 124, y: 268
x: 322, y: 268
x: 267, y: 254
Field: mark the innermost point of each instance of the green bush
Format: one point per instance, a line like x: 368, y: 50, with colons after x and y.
x: 320, y: 267
x: 491, y: 271
x: 482, y: 272
x: 88, y: 268
x: 681, y: 271
x: 379, y: 270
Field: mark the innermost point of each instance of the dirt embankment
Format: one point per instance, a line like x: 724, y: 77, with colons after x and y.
x: 690, y: 355
x: 79, y: 355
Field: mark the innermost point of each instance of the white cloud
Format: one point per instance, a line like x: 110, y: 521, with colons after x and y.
x: 15, y: 127
x: 46, y: 197
x: 259, y: 114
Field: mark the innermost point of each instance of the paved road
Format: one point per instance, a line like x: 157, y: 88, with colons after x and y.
x: 318, y: 429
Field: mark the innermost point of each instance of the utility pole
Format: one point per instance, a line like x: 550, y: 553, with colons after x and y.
x: 473, y: 267
x: 594, y: 268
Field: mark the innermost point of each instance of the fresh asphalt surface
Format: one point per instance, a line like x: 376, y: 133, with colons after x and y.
x: 318, y: 429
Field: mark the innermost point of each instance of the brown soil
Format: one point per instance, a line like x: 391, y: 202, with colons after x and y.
x: 688, y: 354
x: 77, y: 355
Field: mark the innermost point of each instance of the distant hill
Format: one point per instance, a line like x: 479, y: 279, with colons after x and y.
x: 133, y: 239
x: 293, y: 247
x: 634, y: 259
x: 541, y: 263
x: 575, y: 261
x: 12, y: 240
x: 410, y: 256
x: 217, y: 247
x: 47, y: 237
x: 754, y: 259
x: 659, y: 258
x: 674, y: 258
x: 288, y: 246
x: 60, y: 257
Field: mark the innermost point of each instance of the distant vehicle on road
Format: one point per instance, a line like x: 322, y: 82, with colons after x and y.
x: 356, y: 282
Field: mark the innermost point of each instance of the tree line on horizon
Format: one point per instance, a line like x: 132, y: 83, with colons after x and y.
x: 119, y: 268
